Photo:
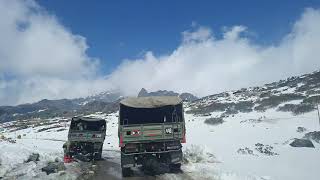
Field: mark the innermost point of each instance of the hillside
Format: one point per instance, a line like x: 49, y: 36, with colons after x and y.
x: 296, y: 95
x: 258, y: 133
x: 106, y: 102
x: 102, y: 102
x: 187, y: 97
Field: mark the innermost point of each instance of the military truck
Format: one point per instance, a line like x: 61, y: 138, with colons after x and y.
x: 151, y: 130
x: 85, y: 139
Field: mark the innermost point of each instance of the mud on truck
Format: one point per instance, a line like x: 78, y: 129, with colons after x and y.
x: 151, y: 130
x: 85, y: 139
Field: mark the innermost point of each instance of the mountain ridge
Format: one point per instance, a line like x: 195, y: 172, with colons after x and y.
x: 303, y: 93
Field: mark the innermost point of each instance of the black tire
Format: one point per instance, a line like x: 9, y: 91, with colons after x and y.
x: 175, y: 167
x: 152, y: 166
x: 98, y: 155
x: 126, y: 172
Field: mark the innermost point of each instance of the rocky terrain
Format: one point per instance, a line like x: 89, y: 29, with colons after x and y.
x: 269, y: 132
x: 103, y: 102
x: 187, y: 97
x: 106, y: 102
x: 297, y: 95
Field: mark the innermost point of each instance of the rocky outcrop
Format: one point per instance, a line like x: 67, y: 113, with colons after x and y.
x: 301, y: 129
x: 188, y: 97
x: 315, y: 136
x: 302, y: 143
x: 34, y: 157
x: 143, y: 93
x: 184, y: 96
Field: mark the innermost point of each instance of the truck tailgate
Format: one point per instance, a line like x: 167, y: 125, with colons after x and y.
x: 152, y: 132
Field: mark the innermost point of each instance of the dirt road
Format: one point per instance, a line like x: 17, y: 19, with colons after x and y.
x: 112, y: 171
x: 109, y: 168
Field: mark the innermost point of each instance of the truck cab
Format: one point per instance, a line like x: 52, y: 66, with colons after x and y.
x: 151, y: 130
x: 85, y: 139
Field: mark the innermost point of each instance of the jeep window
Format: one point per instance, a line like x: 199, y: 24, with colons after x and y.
x: 88, y: 125
x: 170, y: 113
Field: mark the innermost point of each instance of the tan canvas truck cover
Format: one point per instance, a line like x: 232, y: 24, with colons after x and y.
x: 151, y: 102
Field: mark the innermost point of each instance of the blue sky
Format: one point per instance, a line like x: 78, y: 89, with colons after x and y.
x: 57, y: 49
x: 116, y: 30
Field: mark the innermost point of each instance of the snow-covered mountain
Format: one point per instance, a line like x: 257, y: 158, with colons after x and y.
x: 106, y: 102
x: 101, y: 102
x: 270, y: 132
x: 297, y: 95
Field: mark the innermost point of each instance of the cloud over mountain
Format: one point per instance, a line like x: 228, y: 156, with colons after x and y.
x: 204, y: 64
x: 40, y: 58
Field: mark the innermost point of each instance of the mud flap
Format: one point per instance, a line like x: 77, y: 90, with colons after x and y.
x: 127, y: 161
x: 176, y: 156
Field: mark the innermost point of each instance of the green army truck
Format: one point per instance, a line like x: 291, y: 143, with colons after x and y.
x: 151, y: 130
x: 85, y: 139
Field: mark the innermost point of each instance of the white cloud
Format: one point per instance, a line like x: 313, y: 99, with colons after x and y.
x: 204, y: 65
x: 40, y: 58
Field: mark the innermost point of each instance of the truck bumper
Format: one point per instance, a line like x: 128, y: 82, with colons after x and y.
x: 137, y: 159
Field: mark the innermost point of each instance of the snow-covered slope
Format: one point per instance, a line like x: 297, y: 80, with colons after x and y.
x: 212, y: 151
x: 244, y: 134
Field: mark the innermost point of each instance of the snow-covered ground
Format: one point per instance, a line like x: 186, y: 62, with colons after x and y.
x: 212, y: 151
x: 276, y: 129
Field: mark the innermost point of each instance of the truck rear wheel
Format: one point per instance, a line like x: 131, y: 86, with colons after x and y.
x: 126, y: 172
x: 97, y: 156
x: 175, y: 167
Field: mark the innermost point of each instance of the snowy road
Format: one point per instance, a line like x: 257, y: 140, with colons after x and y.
x: 110, y: 169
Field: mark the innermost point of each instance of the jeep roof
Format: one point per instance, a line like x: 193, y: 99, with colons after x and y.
x: 86, y: 119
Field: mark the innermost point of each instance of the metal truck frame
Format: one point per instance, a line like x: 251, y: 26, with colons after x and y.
x: 85, y: 139
x: 151, y: 130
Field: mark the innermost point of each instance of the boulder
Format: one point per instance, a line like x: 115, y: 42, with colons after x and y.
x: 214, y: 121
x: 53, y: 167
x: 33, y: 157
x: 302, y: 143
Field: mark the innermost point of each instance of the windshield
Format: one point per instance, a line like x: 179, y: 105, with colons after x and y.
x: 81, y: 125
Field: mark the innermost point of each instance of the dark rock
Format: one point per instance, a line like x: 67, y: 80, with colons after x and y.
x: 53, y: 167
x: 302, y: 143
x: 315, y: 136
x: 33, y: 157
x: 265, y: 149
x: 214, y: 121
x: 301, y: 129
x: 245, y: 150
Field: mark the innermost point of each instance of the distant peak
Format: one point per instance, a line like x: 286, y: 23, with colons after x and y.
x: 143, y: 93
